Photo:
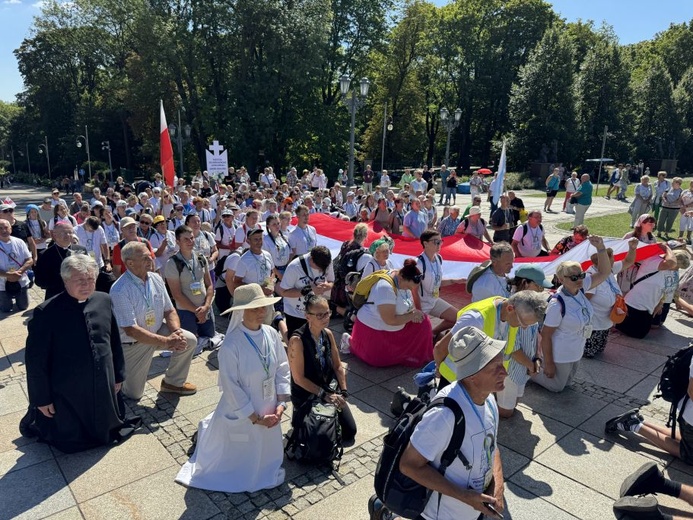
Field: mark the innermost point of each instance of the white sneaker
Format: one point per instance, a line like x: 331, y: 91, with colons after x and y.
x: 345, y: 343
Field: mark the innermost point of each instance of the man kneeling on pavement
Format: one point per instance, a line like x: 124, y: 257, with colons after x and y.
x: 465, y: 492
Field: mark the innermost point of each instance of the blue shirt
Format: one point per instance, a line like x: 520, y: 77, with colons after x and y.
x: 586, y: 198
x: 416, y: 222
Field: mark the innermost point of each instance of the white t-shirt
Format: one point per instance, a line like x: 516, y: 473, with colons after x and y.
x: 242, y: 235
x: 490, y: 284
x: 278, y: 248
x: 382, y: 294
x: 572, y: 329
x: 92, y: 241
x: 303, y: 240
x: 226, y: 236
x: 296, y: 278
x: 171, y: 248
x: 604, y: 298
x: 254, y: 268
x: 530, y: 244
x: 646, y: 294
x: 16, y: 252
x: 419, y: 185
x: 431, y: 281
x: 432, y: 436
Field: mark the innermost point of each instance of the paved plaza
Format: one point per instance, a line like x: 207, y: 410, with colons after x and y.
x: 558, y: 463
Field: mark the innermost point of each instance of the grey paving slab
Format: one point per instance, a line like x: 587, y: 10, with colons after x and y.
x: 10, y: 437
x: 24, y: 456
x: 634, y: 359
x: 673, y: 505
x: 595, y: 426
x: 350, y: 502
x: 597, y: 463
x: 13, y: 399
x: 512, y: 461
x: 370, y: 422
x: 5, y: 365
x: 355, y: 382
x: 200, y: 375
x: 645, y: 389
x: 34, y: 492
x: 405, y: 380
x: 189, y: 403
x: 72, y: 513
x: 101, y: 470
x: 374, y: 374
x: 156, y: 497
x: 608, y: 375
x: 529, y: 433
x: 377, y: 397
x: 569, y: 406
x: 524, y: 505
x: 197, y: 415
x: 562, y: 492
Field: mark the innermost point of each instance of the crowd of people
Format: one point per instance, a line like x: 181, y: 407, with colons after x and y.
x: 137, y: 270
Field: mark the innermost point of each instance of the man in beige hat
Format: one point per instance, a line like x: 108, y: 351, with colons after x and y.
x: 473, y: 484
x: 128, y: 230
x: 474, y: 225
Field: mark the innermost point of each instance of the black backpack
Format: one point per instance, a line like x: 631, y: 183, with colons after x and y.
x: 673, y: 383
x: 400, y: 494
x: 349, y: 261
x: 317, y: 438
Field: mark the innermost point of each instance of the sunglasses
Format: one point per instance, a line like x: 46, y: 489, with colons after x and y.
x: 436, y: 242
x: 320, y: 315
x: 417, y: 278
x: 10, y: 210
x: 576, y: 277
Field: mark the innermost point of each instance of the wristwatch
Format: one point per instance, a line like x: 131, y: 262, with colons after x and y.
x: 282, y: 404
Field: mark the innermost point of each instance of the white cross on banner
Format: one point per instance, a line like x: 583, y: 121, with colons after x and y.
x: 217, y: 160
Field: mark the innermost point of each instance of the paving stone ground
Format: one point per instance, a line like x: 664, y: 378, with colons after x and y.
x: 558, y: 462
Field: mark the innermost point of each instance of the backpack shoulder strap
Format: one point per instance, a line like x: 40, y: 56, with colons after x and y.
x: 561, y: 302
x: 636, y: 282
x: 179, y: 263
x: 453, y: 450
x: 304, y: 265
x: 525, y: 229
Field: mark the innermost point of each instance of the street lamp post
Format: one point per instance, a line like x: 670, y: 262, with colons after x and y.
x: 387, y: 127
x: 28, y: 159
x: 353, y: 103
x: 44, y: 147
x: 449, y: 124
x: 86, y: 143
x: 106, y: 145
x: 177, y: 132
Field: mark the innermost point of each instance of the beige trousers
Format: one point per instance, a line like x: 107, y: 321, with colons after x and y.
x: 138, y: 360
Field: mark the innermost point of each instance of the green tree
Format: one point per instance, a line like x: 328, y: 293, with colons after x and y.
x: 542, y: 105
x: 683, y: 98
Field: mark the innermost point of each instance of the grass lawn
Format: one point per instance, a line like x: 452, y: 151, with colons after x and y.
x: 615, y: 225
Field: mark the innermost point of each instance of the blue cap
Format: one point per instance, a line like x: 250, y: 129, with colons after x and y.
x: 29, y: 207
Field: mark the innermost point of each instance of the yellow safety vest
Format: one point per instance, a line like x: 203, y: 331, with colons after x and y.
x: 489, y: 312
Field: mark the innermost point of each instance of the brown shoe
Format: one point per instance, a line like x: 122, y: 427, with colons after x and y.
x: 186, y: 389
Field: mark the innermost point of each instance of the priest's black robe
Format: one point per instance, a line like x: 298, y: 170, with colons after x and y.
x: 47, y: 269
x: 74, y: 359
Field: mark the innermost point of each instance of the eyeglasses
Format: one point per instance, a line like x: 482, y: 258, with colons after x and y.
x: 576, y: 277
x: 145, y: 223
x: 320, y: 315
x: 436, y: 242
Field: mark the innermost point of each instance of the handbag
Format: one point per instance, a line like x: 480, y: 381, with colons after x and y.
x: 573, y: 200
x: 619, y: 311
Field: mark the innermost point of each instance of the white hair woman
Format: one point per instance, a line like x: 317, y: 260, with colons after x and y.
x: 239, y: 445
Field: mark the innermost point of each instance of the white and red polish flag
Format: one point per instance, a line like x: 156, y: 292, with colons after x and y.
x: 168, y: 169
x: 461, y: 253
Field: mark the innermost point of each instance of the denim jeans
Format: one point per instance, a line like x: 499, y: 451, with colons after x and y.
x: 22, y: 300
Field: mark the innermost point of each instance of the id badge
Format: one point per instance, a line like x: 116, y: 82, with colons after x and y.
x: 487, y: 479
x: 196, y: 288
x: 92, y: 254
x: 268, y: 389
x: 150, y: 318
x: 587, y: 331
x: 436, y: 292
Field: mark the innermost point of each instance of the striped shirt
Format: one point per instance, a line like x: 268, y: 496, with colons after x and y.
x: 526, y: 341
x: 132, y: 298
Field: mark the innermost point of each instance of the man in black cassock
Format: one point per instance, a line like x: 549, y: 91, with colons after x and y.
x: 75, y: 365
x: 48, y: 273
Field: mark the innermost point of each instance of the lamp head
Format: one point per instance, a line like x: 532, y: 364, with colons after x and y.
x: 365, y: 84
x: 79, y: 143
x: 344, y: 84
x: 444, y: 114
x: 458, y: 114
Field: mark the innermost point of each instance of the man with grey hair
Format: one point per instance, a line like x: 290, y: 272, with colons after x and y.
x: 473, y: 483
x: 493, y: 281
x: 15, y: 261
x: 74, y: 365
x: 149, y: 322
x: 499, y: 318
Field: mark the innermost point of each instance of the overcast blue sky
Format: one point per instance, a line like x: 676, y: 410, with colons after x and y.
x: 633, y: 21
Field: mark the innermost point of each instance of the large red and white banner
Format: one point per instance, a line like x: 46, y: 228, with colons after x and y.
x: 461, y: 252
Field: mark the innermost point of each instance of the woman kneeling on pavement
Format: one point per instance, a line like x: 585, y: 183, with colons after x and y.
x: 389, y: 330
x: 239, y: 445
x: 316, y: 370
x: 568, y: 321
